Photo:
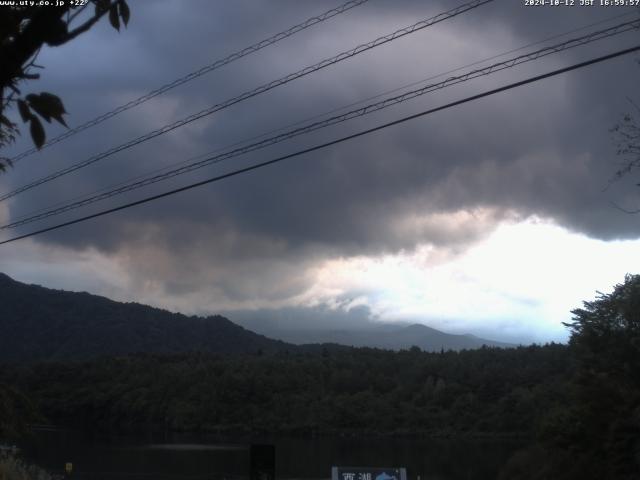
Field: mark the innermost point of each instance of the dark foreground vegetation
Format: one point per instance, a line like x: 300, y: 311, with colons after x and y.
x: 484, y: 391
x: 579, y: 405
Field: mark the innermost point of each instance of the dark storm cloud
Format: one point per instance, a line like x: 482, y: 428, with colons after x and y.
x: 541, y: 150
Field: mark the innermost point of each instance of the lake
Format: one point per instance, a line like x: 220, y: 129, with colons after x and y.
x: 193, y: 457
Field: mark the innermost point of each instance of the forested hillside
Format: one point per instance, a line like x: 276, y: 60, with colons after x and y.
x: 37, y: 323
x: 373, y: 334
x: 484, y: 391
x: 578, y: 405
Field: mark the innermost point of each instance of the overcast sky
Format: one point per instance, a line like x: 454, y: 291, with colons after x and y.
x: 494, y: 218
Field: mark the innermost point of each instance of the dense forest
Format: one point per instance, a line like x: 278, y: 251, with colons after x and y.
x: 578, y: 404
x: 363, y: 391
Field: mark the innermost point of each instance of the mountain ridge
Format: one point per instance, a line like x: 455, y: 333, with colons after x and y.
x: 376, y: 335
x: 43, y: 324
x: 38, y: 323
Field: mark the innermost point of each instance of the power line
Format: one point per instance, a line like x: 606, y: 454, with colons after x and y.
x: 572, y: 43
x: 457, y: 69
x: 198, y: 73
x: 327, y: 144
x: 125, y: 182
x: 334, y: 120
x: 252, y: 93
x: 314, y: 117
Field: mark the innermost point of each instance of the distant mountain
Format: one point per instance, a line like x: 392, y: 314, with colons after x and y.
x: 384, y: 335
x: 38, y: 323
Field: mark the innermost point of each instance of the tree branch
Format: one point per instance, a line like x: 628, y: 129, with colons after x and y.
x: 86, y: 25
x: 15, y: 54
x: 76, y: 13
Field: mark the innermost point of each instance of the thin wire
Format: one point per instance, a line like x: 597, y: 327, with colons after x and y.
x: 197, y: 73
x: 252, y: 93
x: 125, y: 182
x: 497, y: 67
x: 327, y: 144
x: 314, y: 117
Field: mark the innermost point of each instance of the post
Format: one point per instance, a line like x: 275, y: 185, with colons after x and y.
x: 263, y: 462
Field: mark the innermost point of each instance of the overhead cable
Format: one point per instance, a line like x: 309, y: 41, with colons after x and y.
x: 252, y: 93
x: 325, y: 145
x: 368, y: 109
x: 197, y: 73
x: 316, y: 116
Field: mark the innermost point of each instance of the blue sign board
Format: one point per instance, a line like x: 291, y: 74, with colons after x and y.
x: 368, y: 473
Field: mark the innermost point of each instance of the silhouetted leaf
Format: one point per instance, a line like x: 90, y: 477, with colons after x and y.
x: 55, y: 102
x: 56, y: 32
x: 48, y: 106
x: 113, y: 17
x: 25, y: 113
x: 102, y: 6
x: 6, y: 122
x: 4, y: 163
x: 37, y: 132
x: 59, y: 119
x: 12, y: 86
x: 39, y: 106
x: 125, y: 13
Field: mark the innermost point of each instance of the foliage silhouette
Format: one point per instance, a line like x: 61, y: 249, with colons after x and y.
x: 627, y: 137
x: 578, y: 404
x: 24, y: 30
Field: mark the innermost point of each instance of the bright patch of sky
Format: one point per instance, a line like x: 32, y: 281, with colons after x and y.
x: 521, y: 282
x: 518, y: 284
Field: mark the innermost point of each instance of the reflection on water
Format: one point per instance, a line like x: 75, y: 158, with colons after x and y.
x: 192, y: 446
x: 193, y: 457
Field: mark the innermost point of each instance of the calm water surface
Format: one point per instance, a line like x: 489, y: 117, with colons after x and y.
x: 206, y: 457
